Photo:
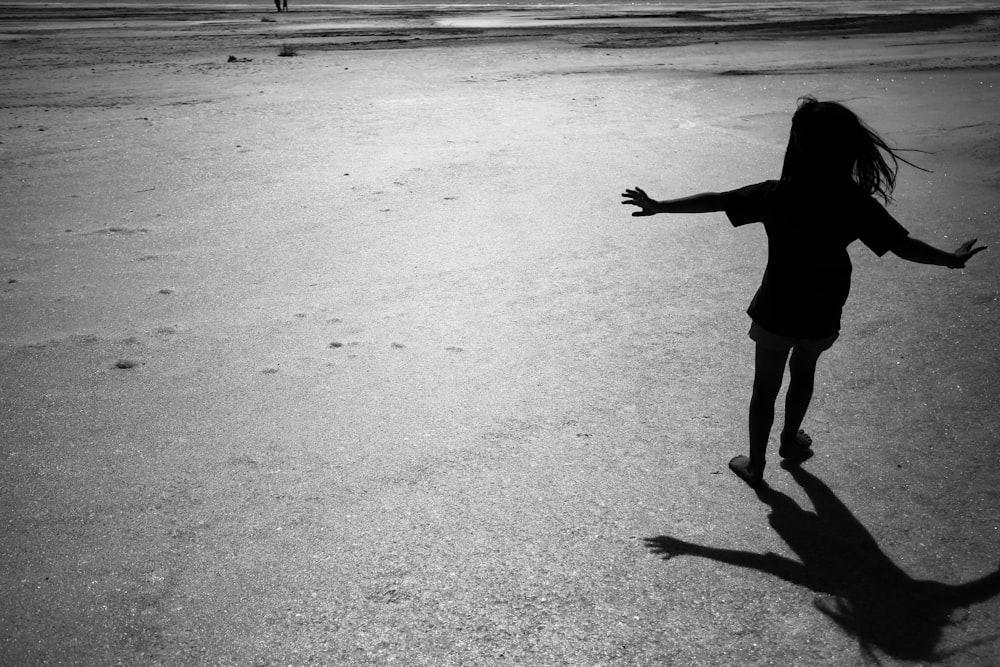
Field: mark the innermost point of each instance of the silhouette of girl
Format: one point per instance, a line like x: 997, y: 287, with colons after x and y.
x: 834, y: 167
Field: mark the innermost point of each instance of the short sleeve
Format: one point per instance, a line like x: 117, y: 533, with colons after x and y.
x: 878, y: 229
x: 748, y: 204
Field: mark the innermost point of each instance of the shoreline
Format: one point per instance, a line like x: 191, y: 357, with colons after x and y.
x: 412, y: 26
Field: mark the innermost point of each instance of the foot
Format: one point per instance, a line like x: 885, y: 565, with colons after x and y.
x: 741, y: 466
x: 796, y: 449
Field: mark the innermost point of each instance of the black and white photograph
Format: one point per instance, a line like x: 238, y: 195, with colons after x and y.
x: 446, y: 333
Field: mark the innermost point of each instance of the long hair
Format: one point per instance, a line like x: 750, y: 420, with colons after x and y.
x: 829, y: 141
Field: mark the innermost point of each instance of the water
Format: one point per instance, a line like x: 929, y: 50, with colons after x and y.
x: 500, y: 13
x: 810, y: 7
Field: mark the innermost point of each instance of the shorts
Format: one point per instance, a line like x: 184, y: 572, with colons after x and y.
x: 779, y: 343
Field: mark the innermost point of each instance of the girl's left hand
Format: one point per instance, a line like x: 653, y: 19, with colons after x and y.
x: 965, y: 252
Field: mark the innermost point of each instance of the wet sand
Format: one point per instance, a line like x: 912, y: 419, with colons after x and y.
x: 354, y: 357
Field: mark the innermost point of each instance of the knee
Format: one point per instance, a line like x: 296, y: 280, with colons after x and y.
x: 802, y: 366
x: 764, y: 394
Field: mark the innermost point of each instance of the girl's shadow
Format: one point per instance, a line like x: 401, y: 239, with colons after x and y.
x: 872, y: 598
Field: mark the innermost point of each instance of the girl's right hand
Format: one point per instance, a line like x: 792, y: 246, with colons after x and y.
x: 647, y: 205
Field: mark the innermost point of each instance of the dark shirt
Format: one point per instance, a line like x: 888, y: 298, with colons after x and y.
x: 808, y: 274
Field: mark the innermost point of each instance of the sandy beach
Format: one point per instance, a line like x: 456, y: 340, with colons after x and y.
x: 353, y: 357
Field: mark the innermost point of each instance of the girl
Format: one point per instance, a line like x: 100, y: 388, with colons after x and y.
x: 834, y: 167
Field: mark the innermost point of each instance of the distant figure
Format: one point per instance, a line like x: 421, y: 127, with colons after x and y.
x: 825, y: 200
x: 284, y: 5
x: 277, y: 5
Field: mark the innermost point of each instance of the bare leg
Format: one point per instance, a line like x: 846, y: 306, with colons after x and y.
x: 802, y: 375
x: 769, y: 367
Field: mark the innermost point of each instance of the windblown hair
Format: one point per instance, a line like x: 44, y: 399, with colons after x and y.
x: 829, y: 141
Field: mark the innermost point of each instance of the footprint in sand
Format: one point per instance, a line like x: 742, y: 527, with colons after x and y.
x: 116, y: 229
x: 77, y: 339
x: 168, y: 330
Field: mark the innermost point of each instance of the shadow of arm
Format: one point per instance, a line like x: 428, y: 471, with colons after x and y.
x: 963, y: 595
x: 769, y: 563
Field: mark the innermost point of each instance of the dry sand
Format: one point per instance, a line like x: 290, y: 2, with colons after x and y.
x: 354, y: 357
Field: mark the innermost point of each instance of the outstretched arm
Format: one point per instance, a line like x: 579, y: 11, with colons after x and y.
x: 705, y: 202
x: 962, y: 595
x: 779, y: 566
x: 915, y: 250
